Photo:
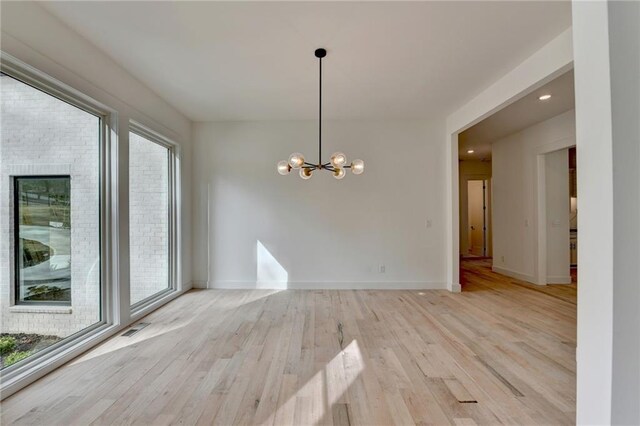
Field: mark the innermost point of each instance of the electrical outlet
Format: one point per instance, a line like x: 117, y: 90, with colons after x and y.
x: 428, y: 223
x: 502, y: 259
x: 382, y: 269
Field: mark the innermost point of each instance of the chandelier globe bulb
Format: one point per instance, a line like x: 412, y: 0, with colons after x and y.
x: 338, y: 159
x: 296, y: 160
x: 357, y: 167
x: 283, y: 167
x: 306, y: 173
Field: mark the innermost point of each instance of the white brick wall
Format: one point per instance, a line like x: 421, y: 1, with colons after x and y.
x: 43, y: 135
x: 148, y: 217
x: 40, y: 134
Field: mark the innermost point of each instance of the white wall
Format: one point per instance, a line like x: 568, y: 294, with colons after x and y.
x: 34, y: 36
x: 324, y: 233
x: 515, y: 195
x: 595, y: 204
x: 607, y: 79
x: 624, y: 50
x: 558, y: 207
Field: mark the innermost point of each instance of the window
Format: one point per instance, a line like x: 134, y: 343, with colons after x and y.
x: 150, y: 216
x: 59, y: 222
x: 51, y: 169
x: 43, y: 239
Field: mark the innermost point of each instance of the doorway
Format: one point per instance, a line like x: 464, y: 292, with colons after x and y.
x: 573, y: 215
x: 554, y: 236
x: 478, y: 218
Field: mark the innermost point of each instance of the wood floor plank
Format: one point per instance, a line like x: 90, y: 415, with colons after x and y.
x: 502, y: 351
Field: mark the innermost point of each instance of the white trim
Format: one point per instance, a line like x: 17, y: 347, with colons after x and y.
x: 41, y: 81
x: 175, y: 235
x: 515, y: 274
x: 328, y: 285
x: 150, y: 134
x: 463, y: 181
x: 199, y: 284
x: 559, y: 279
x: 147, y: 309
x: 453, y: 213
x: 40, y: 309
x: 540, y: 259
x: 541, y: 201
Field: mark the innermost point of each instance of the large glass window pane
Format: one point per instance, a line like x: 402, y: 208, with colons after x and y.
x: 148, y: 217
x: 43, y: 244
x: 49, y: 220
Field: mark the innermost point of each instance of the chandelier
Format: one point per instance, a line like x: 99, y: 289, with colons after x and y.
x: 337, y: 163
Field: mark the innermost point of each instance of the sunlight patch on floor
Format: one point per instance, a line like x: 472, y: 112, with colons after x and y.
x: 331, y: 382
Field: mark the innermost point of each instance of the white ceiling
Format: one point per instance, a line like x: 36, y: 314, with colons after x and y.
x: 518, y: 116
x: 254, y: 60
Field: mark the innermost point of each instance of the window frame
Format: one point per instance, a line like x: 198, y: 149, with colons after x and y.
x: 172, y: 210
x: 16, y: 243
x: 21, y: 373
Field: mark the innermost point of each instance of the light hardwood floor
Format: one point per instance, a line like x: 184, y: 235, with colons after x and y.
x: 500, y: 352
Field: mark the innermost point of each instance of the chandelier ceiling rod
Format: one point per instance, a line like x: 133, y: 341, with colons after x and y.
x: 320, y: 53
x: 338, y: 162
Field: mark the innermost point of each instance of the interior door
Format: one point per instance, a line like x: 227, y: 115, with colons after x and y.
x: 476, y: 203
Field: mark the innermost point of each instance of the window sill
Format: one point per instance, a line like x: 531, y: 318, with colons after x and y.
x: 40, y: 309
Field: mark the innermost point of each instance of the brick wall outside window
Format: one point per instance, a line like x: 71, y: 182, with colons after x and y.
x: 148, y: 217
x: 43, y: 135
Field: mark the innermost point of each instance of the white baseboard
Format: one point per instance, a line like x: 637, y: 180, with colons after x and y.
x: 508, y: 272
x: 328, y: 285
x: 198, y: 284
x: 558, y: 279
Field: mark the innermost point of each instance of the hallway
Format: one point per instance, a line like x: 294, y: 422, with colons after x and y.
x: 476, y: 275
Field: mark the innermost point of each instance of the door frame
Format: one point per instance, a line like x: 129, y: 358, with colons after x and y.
x: 464, y: 179
x: 541, y: 203
x: 546, y: 64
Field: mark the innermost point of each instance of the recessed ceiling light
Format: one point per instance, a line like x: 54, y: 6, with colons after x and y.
x: 470, y: 151
x: 544, y: 97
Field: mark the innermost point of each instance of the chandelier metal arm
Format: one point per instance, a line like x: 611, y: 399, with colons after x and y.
x: 324, y: 166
